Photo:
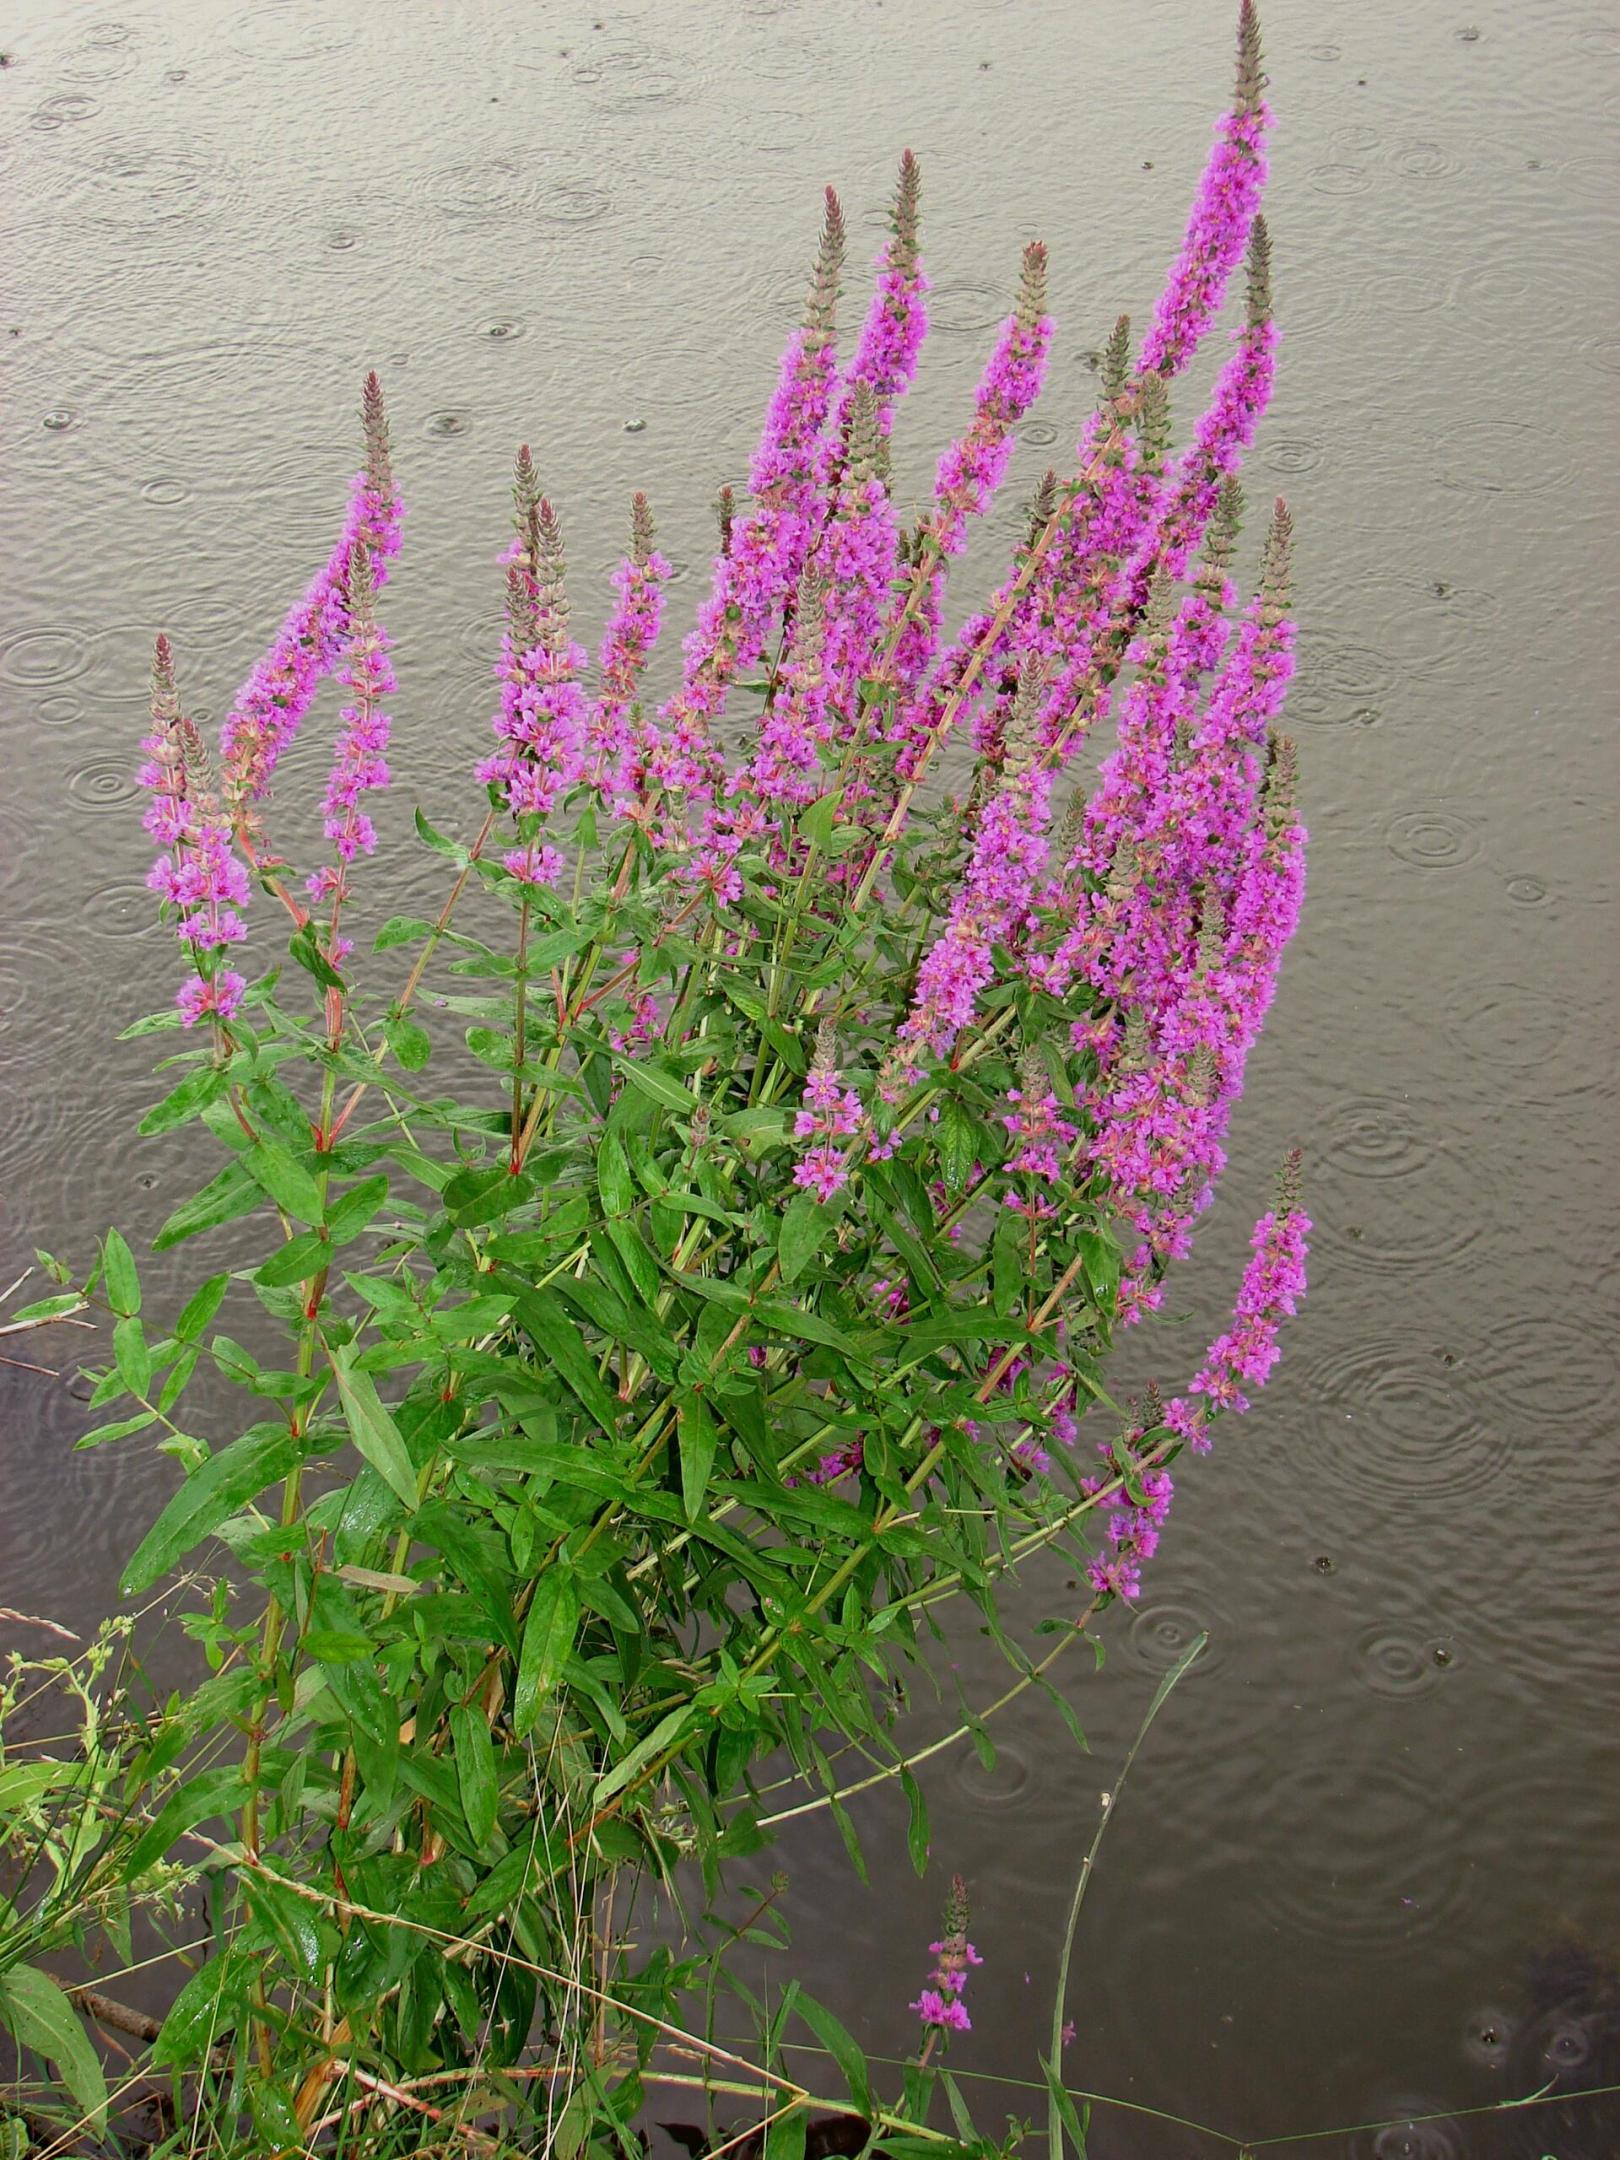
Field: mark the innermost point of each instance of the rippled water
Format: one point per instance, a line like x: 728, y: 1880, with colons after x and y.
x: 1366, y: 1871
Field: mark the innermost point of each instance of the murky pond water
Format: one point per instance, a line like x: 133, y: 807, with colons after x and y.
x: 1366, y: 1868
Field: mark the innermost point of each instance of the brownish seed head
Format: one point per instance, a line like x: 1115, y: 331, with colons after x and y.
x: 821, y: 307
x: 1277, y: 564
x: 641, y: 530
x: 1259, y: 270
x: 374, y: 419
x: 1116, y: 362
x: 1032, y: 284
x: 907, y: 195
x: 1251, y: 81
x: 1288, y: 1187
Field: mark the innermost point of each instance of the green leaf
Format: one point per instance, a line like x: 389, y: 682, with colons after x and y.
x: 957, y: 1139
x: 215, y: 1792
x: 808, y: 1326
x: 613, y: 1179
x: 200, y: 1308
x: 297, y: 1260
x: 664, y: 1733
x: 213, y: 1491
x: 841, y: 2047
x: 1009, y: 1254
x: 194, y: 1093
x: 41, y: 2017
x: 49, y: 1308
x: 475, y: 1769
x: 287, y: 1182
x: 350, y: 1215
x: 784, y: 2140
x: 697, y: 1444
x: 546, y: 1319
x: 118, y: 1275
x: 548, y: 1636
x: 131, y: 1356
x: 400, y: 930
x: 656, y: 1084
x: 817, y: 821
x: 917, y: 1838
x: 221, y: 1200
x: 804, y: 1226
x: 370, y: 1425
x: 410, y: 1042
x: 199, y: 2015
x: 120, y: 1430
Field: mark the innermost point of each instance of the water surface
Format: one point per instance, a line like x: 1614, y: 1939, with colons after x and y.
x: 1366, y: 1868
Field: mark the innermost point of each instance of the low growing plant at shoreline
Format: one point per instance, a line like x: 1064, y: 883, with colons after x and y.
x: 760, y: 1300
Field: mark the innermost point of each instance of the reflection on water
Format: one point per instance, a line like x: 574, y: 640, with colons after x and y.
x: 1365, y: 1871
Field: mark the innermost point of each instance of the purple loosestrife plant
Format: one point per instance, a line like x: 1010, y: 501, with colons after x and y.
x: 644, y: 1395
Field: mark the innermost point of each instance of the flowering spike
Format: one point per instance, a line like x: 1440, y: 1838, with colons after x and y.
x: 360, y: 765
x: 725, y: 511
x: 614, y: 742
x: 525, y: 491
x: 266, y: 712
x: 198, y: 875
x: 940, y: 2002
x: 1222, y: 213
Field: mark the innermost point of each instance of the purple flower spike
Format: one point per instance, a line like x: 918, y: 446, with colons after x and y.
x: 1222, y: 213
x: 198, y: 875
x: 940, y: 2003
x: 611, y: 738
x: 540, y: 726
x: 361, y: 765
x: 271, y: 704
x: 897, y: 320
x: 768, y: 547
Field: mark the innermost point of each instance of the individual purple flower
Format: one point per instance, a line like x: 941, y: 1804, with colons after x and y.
x: 216, y: 996
x: 534, y: 865
x: 1222, y: 213
x: 940, y: 2002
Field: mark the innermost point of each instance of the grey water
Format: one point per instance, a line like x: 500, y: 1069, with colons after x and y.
x: 1365, y: 1877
